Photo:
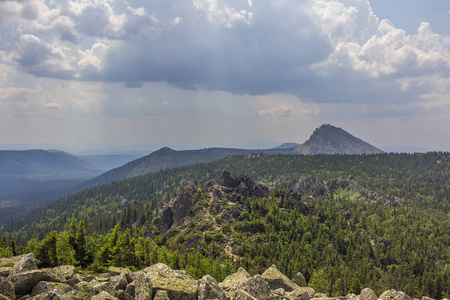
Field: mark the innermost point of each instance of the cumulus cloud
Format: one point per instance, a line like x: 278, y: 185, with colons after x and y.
x: 324, y: 50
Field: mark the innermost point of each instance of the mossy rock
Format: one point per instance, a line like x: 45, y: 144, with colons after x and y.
x: 177, y: 283
x: 234, y: 281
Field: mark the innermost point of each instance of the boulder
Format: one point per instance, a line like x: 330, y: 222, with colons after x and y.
x: 85, y: 288
x: 99, y: 286
x: 47, y: 287
x: 161, y: 295
x: 234, y: 281
x: 124, y: 296
x: 278, y: 294
x: 45, y: 296
x: 242, y: 295
x: 104, y: 296
x: 208, y: 288
x: 25, y: 263
x: 4, y: 272
x: 89, y: 278
x: 119, y: 282
x: 178, y: 284
x: 74, y: 280
x: 143, y: 289
x: 367, y: 294
x: 131, y: 289
x: 278, y: 280
x: 394, y: 295
x: 73, y: 295
x: 114, y: 271
x: 66, y: 271
x: 7, y: 289
x: 299, y: 280
x: 25, y: 281
x: 258, y: 287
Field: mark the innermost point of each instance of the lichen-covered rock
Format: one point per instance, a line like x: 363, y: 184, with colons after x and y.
x: 99, y: 286
x: 74, y: 280
x: 25, y: 281
x: 426, y: 298
x: 85, y: 288
x: 234, y: 281
x: 114, y: 271
x: 89, y: 278
x: 367, y: 294
x: 394, y: 295
x: 208, y: 288
x: 7, y: 289
x: 25, y: 263
x: 258, y: 287
x: 131, y: 289
x: 46, y: 296
x: 143, y: 289
x: 56, y: 274
x: 74, y: 295
x: 104, y: 296
x: 47, y: 287
x: 119, y: 282
x: 242, y: 295
x: 277, y: 280
x: 178, y: 284
x: 278, y: 294
x: 66, y: 271
x: 161, y: 295
x: 299, y: 280
x: 4, y: 272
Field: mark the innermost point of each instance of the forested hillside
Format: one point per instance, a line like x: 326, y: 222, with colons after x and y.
x: 346, y: 222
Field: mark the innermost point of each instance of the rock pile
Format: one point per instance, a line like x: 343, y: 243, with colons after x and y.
x: 157, y: 282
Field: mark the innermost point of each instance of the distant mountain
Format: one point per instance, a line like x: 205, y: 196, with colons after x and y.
x: 108, y: 161
x: 165, y: 158
x: 287, y: 146
x: 30, y: 178
x: 34, y: 162
x: 328, y: 139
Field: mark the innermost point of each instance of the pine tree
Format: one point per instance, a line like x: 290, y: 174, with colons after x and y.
x: 80, y: 251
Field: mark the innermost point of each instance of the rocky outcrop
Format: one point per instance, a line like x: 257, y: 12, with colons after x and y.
x: 244, y: 185
x: 234, y: 282
x: 300, y: 280
x: 278, y: 280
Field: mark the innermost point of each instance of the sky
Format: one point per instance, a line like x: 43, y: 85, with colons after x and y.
x: 116, y: 75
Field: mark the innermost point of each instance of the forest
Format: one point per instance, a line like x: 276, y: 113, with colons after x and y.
x: 349, y: 243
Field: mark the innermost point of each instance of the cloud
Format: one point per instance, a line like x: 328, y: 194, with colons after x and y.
x: 324, y: 51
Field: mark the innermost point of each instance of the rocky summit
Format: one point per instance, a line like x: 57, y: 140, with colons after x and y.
x: 328, y: 139
x: 158, y: 282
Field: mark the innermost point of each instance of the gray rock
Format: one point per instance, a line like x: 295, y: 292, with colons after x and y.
x: 50, y: 287
x: 234, y: 282
x: 66, y: 271
x: 208, y: 288
x: 85, y: 288
x: 278, y: 280
x: 114, y: 271
x: 143, y: 288
x: 161, y: 295
x: 104, y: 296
x: 258, y: 287
x: 178, y: 284
x: 242, y: 295
x: 394, y: 295
x: 89, y: 278
x: 7, y: 289
x: 367, y: 294
x: 24, y: 282
x: 4, y: 272
x: 119, y: 282
x: 25, y: 263
x: 131, y: 289
x: 74, y: 280
x: 299, y: 280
